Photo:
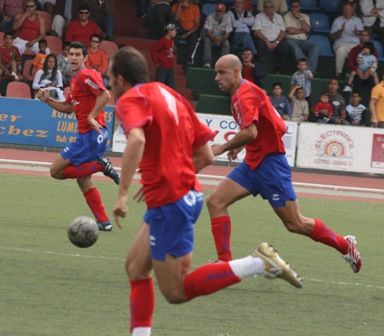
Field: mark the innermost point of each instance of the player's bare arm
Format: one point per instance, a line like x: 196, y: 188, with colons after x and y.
x: 372, y: 107
x: 64, y: 107
x: 238, y: 141
x: 100, y: 103
x: 132, y: 156
x: 202, y: 157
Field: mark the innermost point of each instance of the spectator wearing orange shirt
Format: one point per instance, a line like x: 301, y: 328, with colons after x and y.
x: 38, y: 61
x: 83, y: 28
x: 187, y: 15
x: 97, y: 58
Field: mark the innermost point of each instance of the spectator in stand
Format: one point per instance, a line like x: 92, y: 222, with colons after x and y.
x: 8, y: 10
x: 162, y: 54
x: 322, y: 110
x: 280, y: 102
x: 102, y: 14
x: 83, y: 28
x: 251, y: 70
x: 64, y: 65
x: 217, y: 28
x: 280, y: 6
x: 269, y: 29
x: 30, y: 29
x: 48, y: 6
x: 356, y: 110
x: 303, y: 78
x: 64, y: 12
x: 366, y: 67
x: 339, y: 115
x: 299, y: 105
x: 159, y: 16
x: 10, y: 58
x: 298, y: 27
x: 38, y: 61
x: 344, y: 31
x: 50, y: 77
x: 97, y: 59
x: 372, y: 13
x: 242, y: 21
x: 376, y: 105
x: 187, y: 15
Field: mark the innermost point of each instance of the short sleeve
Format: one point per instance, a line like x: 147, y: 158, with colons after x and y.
x: 92, y: 83
x: 249, y: 111
x: 376, y: 92
x: 336, y: 25
x: 133, y: 112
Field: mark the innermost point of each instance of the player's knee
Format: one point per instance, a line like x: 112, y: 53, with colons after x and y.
x: 174, y: 296
x: 54, y: 172
x: 213, y: 202
x: 134, y: 271
x: 295, y: 226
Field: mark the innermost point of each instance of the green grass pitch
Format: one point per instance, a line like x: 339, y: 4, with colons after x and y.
x: 48, y: 287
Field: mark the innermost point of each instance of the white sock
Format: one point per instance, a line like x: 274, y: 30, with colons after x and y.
x: 141, y: 331
x: 246, y: 267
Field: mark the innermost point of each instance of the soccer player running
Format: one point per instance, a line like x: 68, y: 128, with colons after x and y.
x: 169, y: 144
x: 85, y: 156
x: 264, y: 171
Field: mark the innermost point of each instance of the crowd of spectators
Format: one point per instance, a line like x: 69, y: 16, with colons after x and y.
x: 255, y: 30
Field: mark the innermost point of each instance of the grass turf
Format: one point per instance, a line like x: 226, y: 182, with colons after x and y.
x: 50, y: 287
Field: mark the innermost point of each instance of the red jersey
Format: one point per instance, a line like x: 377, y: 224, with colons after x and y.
x: 8, y: 54
x: 250, y: 104
x: 29, y: 29
x: 85, y: 87
x: 320, y: 106
x: 162, y: 53
x: 81, y: 33
x: 172, y: 131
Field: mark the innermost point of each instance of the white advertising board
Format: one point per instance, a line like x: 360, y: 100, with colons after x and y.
x: 343, y: 148
x: 226, y: 128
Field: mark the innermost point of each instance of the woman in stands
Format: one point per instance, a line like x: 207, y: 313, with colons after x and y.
x: 50, y: 77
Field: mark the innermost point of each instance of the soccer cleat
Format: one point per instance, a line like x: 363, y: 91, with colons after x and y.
x: 353, y: 256
x: 275, y: 266
x: 104, y: 226
x: 108, y: 169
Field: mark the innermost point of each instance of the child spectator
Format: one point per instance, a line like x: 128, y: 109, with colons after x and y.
x: 366, y: 66
x: 280, y: 102
x: 300, y: 107
x: 64, y: 65
x: 39, y: 59
x: 252, y: 71
x: 10, y: 58
x: 355, y: 110
x: 162, y: 54
x: 323, y: 110
x: 303, y: 77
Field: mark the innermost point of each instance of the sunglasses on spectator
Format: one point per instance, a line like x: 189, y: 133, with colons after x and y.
x: 84, y: 13
x: 95, y: 41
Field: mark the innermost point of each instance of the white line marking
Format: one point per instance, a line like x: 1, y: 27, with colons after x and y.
x: 77, y: 255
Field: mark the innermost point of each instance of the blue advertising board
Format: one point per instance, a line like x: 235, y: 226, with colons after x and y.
x: 31, y: 122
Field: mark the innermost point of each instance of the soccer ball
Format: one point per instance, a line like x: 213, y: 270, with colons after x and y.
x: 83, y: 232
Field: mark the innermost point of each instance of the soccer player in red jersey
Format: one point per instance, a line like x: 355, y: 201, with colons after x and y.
x: 169, y: 144
x: 264, y: 171
x: 85, y: 156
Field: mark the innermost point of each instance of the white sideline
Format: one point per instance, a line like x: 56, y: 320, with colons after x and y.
x: 311, y: 188
x: 86, y: 256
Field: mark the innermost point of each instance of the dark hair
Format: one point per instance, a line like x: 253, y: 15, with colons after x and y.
x: 300, y: 60
x: 277, y: 84
x: 370, y: 46
x: 355, y: 93
x: 53, y: 76
x: 79, y: 45
x: 83, y: 6
x: 247, y: 49
x: 131, y: 65
x: 9, y: 33
x: 296, y: 1
x: 43, y: 41
x: 95, y: 35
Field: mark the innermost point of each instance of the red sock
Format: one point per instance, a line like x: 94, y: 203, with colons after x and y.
x: 323, y: 234
x: 85, y: 169
x: 95, y: 203
x: 142, y: 303
x: 221, y: 230
x: 208, y: 279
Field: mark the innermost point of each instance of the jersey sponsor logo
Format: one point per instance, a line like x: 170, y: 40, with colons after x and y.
x: 275, y: 197
x: 92, y: 84
x: 190, y: 199
x: 171, y: 102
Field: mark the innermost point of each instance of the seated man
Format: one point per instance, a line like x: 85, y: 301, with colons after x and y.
x: 216, y: 32
x: 8, y: 10
x: 10, y: 58
x: 64, y: 12
x: 102, y: 14
x: 269, y: 29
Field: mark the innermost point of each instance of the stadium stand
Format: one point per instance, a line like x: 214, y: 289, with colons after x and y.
x: 55, y: 44
x: 109, y: 47
x: 18, y: 90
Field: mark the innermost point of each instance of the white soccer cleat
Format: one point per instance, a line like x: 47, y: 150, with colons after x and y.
x: 353, y: 257
x: 275, y: 266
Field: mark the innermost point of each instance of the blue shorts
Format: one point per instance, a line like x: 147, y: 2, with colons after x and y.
x: 87, y: 147
x: 171, y: 226
x: 272, y: 179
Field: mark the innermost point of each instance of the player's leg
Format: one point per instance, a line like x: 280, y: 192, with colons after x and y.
x: 142, y: 295
x: 57, y: 167
x: 93, y: 198
x: 228, y: 192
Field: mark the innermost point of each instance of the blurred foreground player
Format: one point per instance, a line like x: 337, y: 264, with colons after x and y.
x: 169, y: 143
x: 264, y: 171
x: 84, y: 157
